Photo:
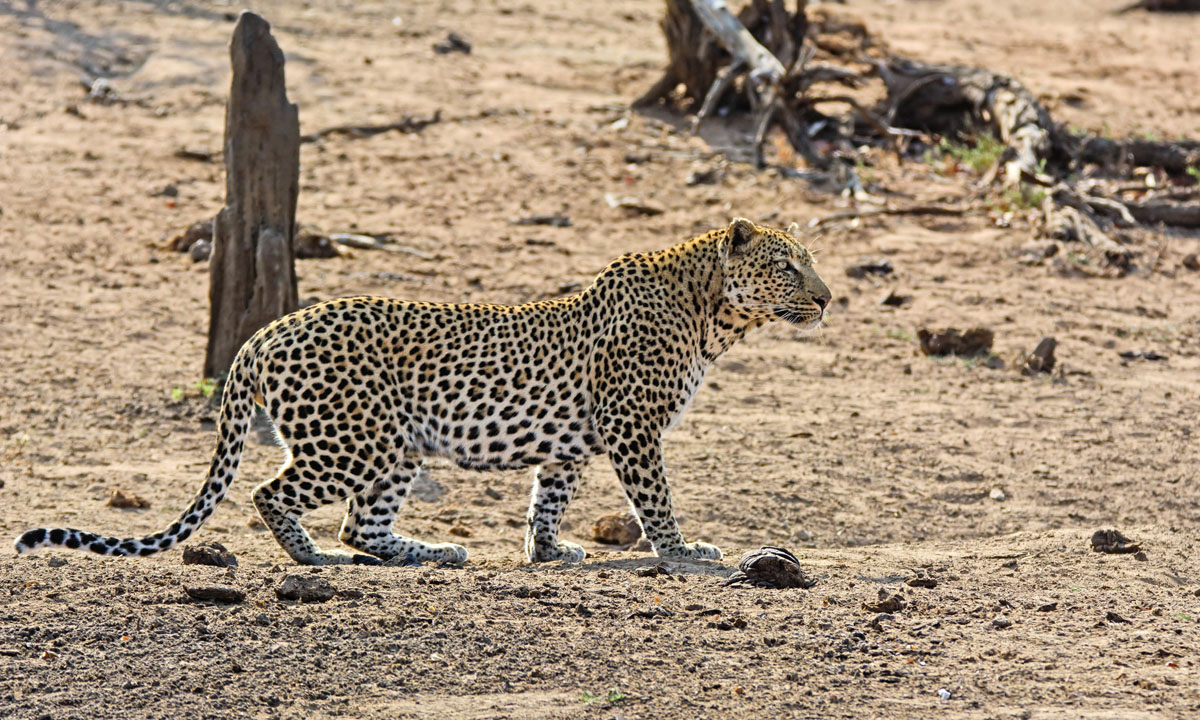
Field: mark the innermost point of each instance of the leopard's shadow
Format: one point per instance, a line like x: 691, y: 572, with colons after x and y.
x: 661, y: 566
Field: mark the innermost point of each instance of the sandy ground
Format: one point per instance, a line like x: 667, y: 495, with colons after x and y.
x: 875, y: 464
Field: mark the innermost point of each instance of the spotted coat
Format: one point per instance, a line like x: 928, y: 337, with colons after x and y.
x: 361, y: 389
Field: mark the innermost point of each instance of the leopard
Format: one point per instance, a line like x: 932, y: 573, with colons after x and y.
x: 362, y: 391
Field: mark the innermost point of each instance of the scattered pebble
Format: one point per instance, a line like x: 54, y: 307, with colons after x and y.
x: 460, y: 531
x: 1000, y: 622
x: 1113, y: 542
x: 770, y: 567
x: 201, y: 250
x: 1048, y: 607
x: 951, y: 341
x: 213, y: 553
x: 943, y: 694
x: 312, y: 244
x: 888, y: 603
x: 56, y: 561
x: 1041, y: 360
x: 921, y: 582
x: 120, y: 499
x: 998, y: 495
x: 305, y: 588
x: 1191, y: 261
x: 1112, y: 617
x: 453, y: 43
x: 864, y: 268
x: 894, y: 299
x: 199, y: 230
x: 214, y: 593
x: 709, y: 176
x: 651, y: 571
x: 617, y: 529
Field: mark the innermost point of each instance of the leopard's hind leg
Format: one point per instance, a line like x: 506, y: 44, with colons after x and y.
x: 282, y: 501
x: 371, y: 513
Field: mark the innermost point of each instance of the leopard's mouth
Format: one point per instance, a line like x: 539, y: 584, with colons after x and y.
x: 805, y: 319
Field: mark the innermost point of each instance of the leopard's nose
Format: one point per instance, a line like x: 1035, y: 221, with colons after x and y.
x: 822, y: 300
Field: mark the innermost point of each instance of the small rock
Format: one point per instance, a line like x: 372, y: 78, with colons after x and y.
x: 56, y: 562
x: 214, y: 593
x: 213, y: 553
x: 895, y: 299
x: 998, y: 495
x: 305, y: 588
x: 312, y: 244
x: 1112, y: 617
x: 921, y: 582
x: 453, y: 43
x: 801, y: 535
x: 951, y: 341
x: 617, y: 529
x: 200, y: 251
x: 888, y: 603
x: 864, y: 268
x: 1113, y: 542
x: 943, y: 694
x: 1140, y: 556
x: 120, y: 499
x: 1000, y: 622
x: 770, y: 567
x: 709, y: 176
x: 200, y: 230
x: 648, y: 571
x: 1191, y: 261
x: 460, y: 531
x: 1048, y: 607
x: 1041, y: 360
x: 878, y: 620
x: 492, y: 493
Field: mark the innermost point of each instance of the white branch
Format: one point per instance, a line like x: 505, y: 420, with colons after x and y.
x: 762, y: 63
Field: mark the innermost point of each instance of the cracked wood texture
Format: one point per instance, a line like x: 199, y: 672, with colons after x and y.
x: 253, y: 273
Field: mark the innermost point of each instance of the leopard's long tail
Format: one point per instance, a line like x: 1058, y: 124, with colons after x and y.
x: 237, y: 412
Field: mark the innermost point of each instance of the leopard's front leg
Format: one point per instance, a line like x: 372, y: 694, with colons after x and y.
x: 554, y: 485
x: 636, y: 455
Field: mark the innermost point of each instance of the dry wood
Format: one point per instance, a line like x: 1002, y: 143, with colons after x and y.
x: 1169, y: 213
x: 955, y: 100
x: 1163, y: 6
x: 253, y: 275
x: 909, y: 210
x: 406, y: 124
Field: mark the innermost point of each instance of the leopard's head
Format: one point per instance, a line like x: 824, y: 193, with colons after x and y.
x: 769, y: 274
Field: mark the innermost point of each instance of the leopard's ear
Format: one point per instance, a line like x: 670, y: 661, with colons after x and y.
x: 794, y: 230
x: 739, y: 233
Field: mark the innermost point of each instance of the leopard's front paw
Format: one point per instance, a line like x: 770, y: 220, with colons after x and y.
x: 565, y: 551
x: 694, y: 551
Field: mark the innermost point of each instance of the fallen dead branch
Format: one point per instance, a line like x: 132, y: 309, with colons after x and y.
x: 910, y: 210
x: 404, y: 125
x: 760, y: 63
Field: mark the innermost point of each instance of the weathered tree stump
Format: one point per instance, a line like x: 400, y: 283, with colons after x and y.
x: 253, y: 274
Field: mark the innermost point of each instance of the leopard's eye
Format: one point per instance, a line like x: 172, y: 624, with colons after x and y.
x: 782, y: 264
